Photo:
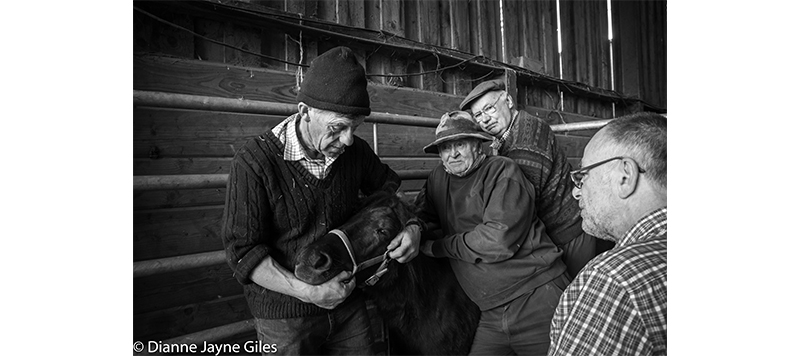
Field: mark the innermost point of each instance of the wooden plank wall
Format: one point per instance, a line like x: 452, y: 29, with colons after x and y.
x: 178, y: 141
x: 585, y: 54
x: 640, y: 50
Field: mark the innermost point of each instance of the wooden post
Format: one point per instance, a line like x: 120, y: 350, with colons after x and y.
x: 510, y: 77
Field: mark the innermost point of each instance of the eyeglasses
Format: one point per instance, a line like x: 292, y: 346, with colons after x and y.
x: 578, y: 175
x: 488, y: 109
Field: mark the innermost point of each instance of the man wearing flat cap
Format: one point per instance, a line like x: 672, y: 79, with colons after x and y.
x: 288, y: 187
x: 532, y: 145
x: 496, y: 244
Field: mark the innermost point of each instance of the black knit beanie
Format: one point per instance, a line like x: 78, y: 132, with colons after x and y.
x: 336, y: 82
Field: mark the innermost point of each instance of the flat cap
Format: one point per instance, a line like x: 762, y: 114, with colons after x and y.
x: 482, y: 88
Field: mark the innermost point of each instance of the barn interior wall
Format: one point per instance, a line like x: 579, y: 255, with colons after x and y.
x: 179, y: 142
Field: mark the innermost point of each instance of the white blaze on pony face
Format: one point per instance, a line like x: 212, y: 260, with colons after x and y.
x: 459, y: 155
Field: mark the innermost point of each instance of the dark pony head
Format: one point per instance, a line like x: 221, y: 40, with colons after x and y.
x: 381, y: 217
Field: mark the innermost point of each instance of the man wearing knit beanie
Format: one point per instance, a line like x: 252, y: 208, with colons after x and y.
x: 290, y: 186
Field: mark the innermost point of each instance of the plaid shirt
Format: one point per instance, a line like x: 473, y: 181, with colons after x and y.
x: 617, y: 305
x: 294, y: 151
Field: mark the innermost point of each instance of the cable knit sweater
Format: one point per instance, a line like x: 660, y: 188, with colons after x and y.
x: 275, y: 207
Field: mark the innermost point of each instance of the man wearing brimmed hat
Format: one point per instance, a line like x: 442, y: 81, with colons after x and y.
x: 288, y: 187
x: 496, y: 244
x: 531, y: 143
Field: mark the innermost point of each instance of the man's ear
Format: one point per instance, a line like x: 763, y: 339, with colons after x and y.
x: 303, y: 109
x: 628, y: 178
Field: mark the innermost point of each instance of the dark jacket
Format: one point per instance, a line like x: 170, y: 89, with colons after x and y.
x: 498, y: 247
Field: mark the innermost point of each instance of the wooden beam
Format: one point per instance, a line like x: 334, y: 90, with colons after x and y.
x: 200, y: 102
x: 183, y: 181
x: 205, y: 181
x: 177, y: 263
x: 580, y: 126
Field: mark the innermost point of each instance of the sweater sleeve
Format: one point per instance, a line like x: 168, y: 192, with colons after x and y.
x: 424, y: 208
x: 244, y: 221
x: 507, y: 219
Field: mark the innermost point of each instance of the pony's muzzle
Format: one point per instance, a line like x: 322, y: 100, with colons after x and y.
x: 320, y: 262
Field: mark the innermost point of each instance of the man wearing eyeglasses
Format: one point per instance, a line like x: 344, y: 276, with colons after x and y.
x: 617, y: 305
x: 532, y: 145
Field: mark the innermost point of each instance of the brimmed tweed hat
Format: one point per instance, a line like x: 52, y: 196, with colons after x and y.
x: 453, y: 126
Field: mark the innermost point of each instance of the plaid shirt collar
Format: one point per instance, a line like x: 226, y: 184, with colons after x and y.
x: 652, y: 225
x: 497, y: 143
x: 286, y: 132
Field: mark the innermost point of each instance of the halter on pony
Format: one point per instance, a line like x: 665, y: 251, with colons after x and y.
x: 366, y: 264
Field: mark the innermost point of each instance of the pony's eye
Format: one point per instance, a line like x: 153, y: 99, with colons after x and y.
x: 382, y: 231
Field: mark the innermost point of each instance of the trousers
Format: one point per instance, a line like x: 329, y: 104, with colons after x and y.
x: 521, y: 326
x: 344, y: 330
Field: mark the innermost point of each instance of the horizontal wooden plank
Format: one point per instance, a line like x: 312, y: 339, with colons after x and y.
x: 157, y: 99
x: 172, y: 232
x: 216, y: 79
x: 396, y: 140
x: 221, y: 165
x: 174, y: 198
x: 160, y: 133
x: 174, y: 289
x: 185, y: 165
x: 177, y: 263
x: 186, y: 133
x: 160, y: 199
x: 572, y: 145
x: 412, y: 163
x: 189, y: 318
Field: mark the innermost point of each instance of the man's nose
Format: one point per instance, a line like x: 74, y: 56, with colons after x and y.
x: 346, y: 137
